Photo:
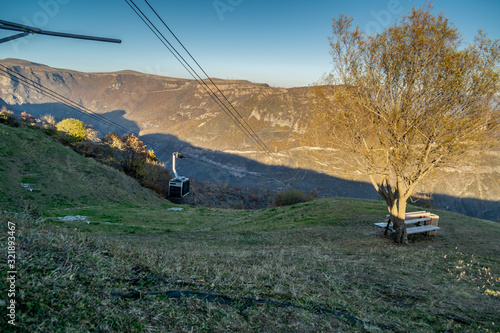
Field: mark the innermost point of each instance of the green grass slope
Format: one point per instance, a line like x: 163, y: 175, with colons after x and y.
x: 56, y: 177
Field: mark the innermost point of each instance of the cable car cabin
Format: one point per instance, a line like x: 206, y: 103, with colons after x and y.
x: 178, y: 187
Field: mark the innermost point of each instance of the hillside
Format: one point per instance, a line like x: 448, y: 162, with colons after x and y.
x: 131, y: 263
x: 315, y: 267
x: 177, y: 115
x: 36, y: 169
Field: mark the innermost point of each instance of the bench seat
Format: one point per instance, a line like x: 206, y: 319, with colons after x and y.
x: 424, y: 228
x: 412, y: 230
x: 407, y: 222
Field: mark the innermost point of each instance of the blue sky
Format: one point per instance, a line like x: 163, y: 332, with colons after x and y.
x: 283, y: 43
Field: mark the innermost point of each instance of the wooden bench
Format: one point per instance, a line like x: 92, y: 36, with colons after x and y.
x: 407, y: 222
x: 420, y: 221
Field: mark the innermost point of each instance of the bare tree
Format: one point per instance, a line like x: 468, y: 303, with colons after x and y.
x: 408, y: 100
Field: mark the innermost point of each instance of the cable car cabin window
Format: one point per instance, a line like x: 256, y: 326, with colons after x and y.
x: 185, y: 187
x: 179, y: 187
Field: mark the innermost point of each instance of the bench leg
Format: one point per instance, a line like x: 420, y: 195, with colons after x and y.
x: 387, y: 227
x: 434, y: 221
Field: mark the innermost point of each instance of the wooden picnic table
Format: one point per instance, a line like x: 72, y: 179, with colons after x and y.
x: 418, y: 222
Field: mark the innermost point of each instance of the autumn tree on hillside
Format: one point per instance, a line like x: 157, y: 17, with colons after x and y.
x: 408, y: 100
x: 131, y: 153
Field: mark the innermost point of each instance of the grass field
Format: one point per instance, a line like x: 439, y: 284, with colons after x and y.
x: 314, y: 267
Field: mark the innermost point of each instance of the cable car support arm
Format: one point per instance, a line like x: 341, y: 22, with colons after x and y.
x: 26, y: 30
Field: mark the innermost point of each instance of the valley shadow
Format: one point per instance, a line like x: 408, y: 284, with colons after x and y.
x: 219, y: 167
x: 483, y: 209
x: 212, y: 166
x: 114, y: 120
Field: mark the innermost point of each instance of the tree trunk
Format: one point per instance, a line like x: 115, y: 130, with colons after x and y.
x: 396, y: 204
x: 397, y: 215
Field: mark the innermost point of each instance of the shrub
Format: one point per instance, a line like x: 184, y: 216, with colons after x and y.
x: 88, y: 149
x: 73, y: 130
x: 290, y: 197
x: 48, y: 123
x: 28, y: 118
x: 7, y: 117
x: 156, y: 177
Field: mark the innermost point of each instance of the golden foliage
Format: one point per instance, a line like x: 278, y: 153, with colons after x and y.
x: 408, y: 100
x: 74, y: 128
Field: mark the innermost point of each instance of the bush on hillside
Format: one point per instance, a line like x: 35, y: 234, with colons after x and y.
x: 131, y: 152
x: 71, y: 131
x: 129, y: 155
x: 290, y: 197
x: 48, y: 123
x: 7, y: 117
x: 28, y: 118
x: 156, y: 177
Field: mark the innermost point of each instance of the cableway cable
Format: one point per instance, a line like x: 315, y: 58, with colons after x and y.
x: 261, y: 143
x: 19, y: 78
x: 246, y: 129
x: 191, y: 71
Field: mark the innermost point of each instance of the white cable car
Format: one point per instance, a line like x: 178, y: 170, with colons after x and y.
x: 178, y: 186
